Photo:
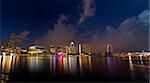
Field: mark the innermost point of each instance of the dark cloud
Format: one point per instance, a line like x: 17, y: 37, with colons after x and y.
x: 131, y: 35
x: 88, y: 10
x: 144, y: 17
x: 62, y: 34
x: 22, y: 36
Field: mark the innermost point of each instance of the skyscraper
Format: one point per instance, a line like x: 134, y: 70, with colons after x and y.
x: 80, y: 49
x: 86, y: 48
x: 72, y: 48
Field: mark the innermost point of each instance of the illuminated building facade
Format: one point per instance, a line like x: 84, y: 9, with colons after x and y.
x: 86, y: 48
x: 72, y: 48
x: 35, y: 49
x: 66, y: 49
x: 52, y: 50
x: 61, y: 49
x: 80, y: 49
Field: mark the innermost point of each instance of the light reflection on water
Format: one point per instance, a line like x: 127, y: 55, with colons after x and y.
x: 32, y: 68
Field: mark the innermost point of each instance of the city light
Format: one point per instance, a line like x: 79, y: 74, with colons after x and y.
x: 74, y: 41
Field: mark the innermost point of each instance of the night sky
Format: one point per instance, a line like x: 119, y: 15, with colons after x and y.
x: 39, y: 16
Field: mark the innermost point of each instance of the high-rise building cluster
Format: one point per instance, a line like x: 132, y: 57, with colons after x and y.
x: 71, y: 49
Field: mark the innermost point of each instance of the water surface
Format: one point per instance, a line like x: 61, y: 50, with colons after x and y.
x: 70, y: 68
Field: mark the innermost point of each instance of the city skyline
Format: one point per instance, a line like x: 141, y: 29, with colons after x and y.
x: 124, y: 24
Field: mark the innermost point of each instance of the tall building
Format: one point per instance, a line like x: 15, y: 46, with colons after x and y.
x: 80, y: 49
x: 72, y: 48
x: 52, y: 50
x: 61, y: 49
x: 86, y: 48
x: 66, y: 49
